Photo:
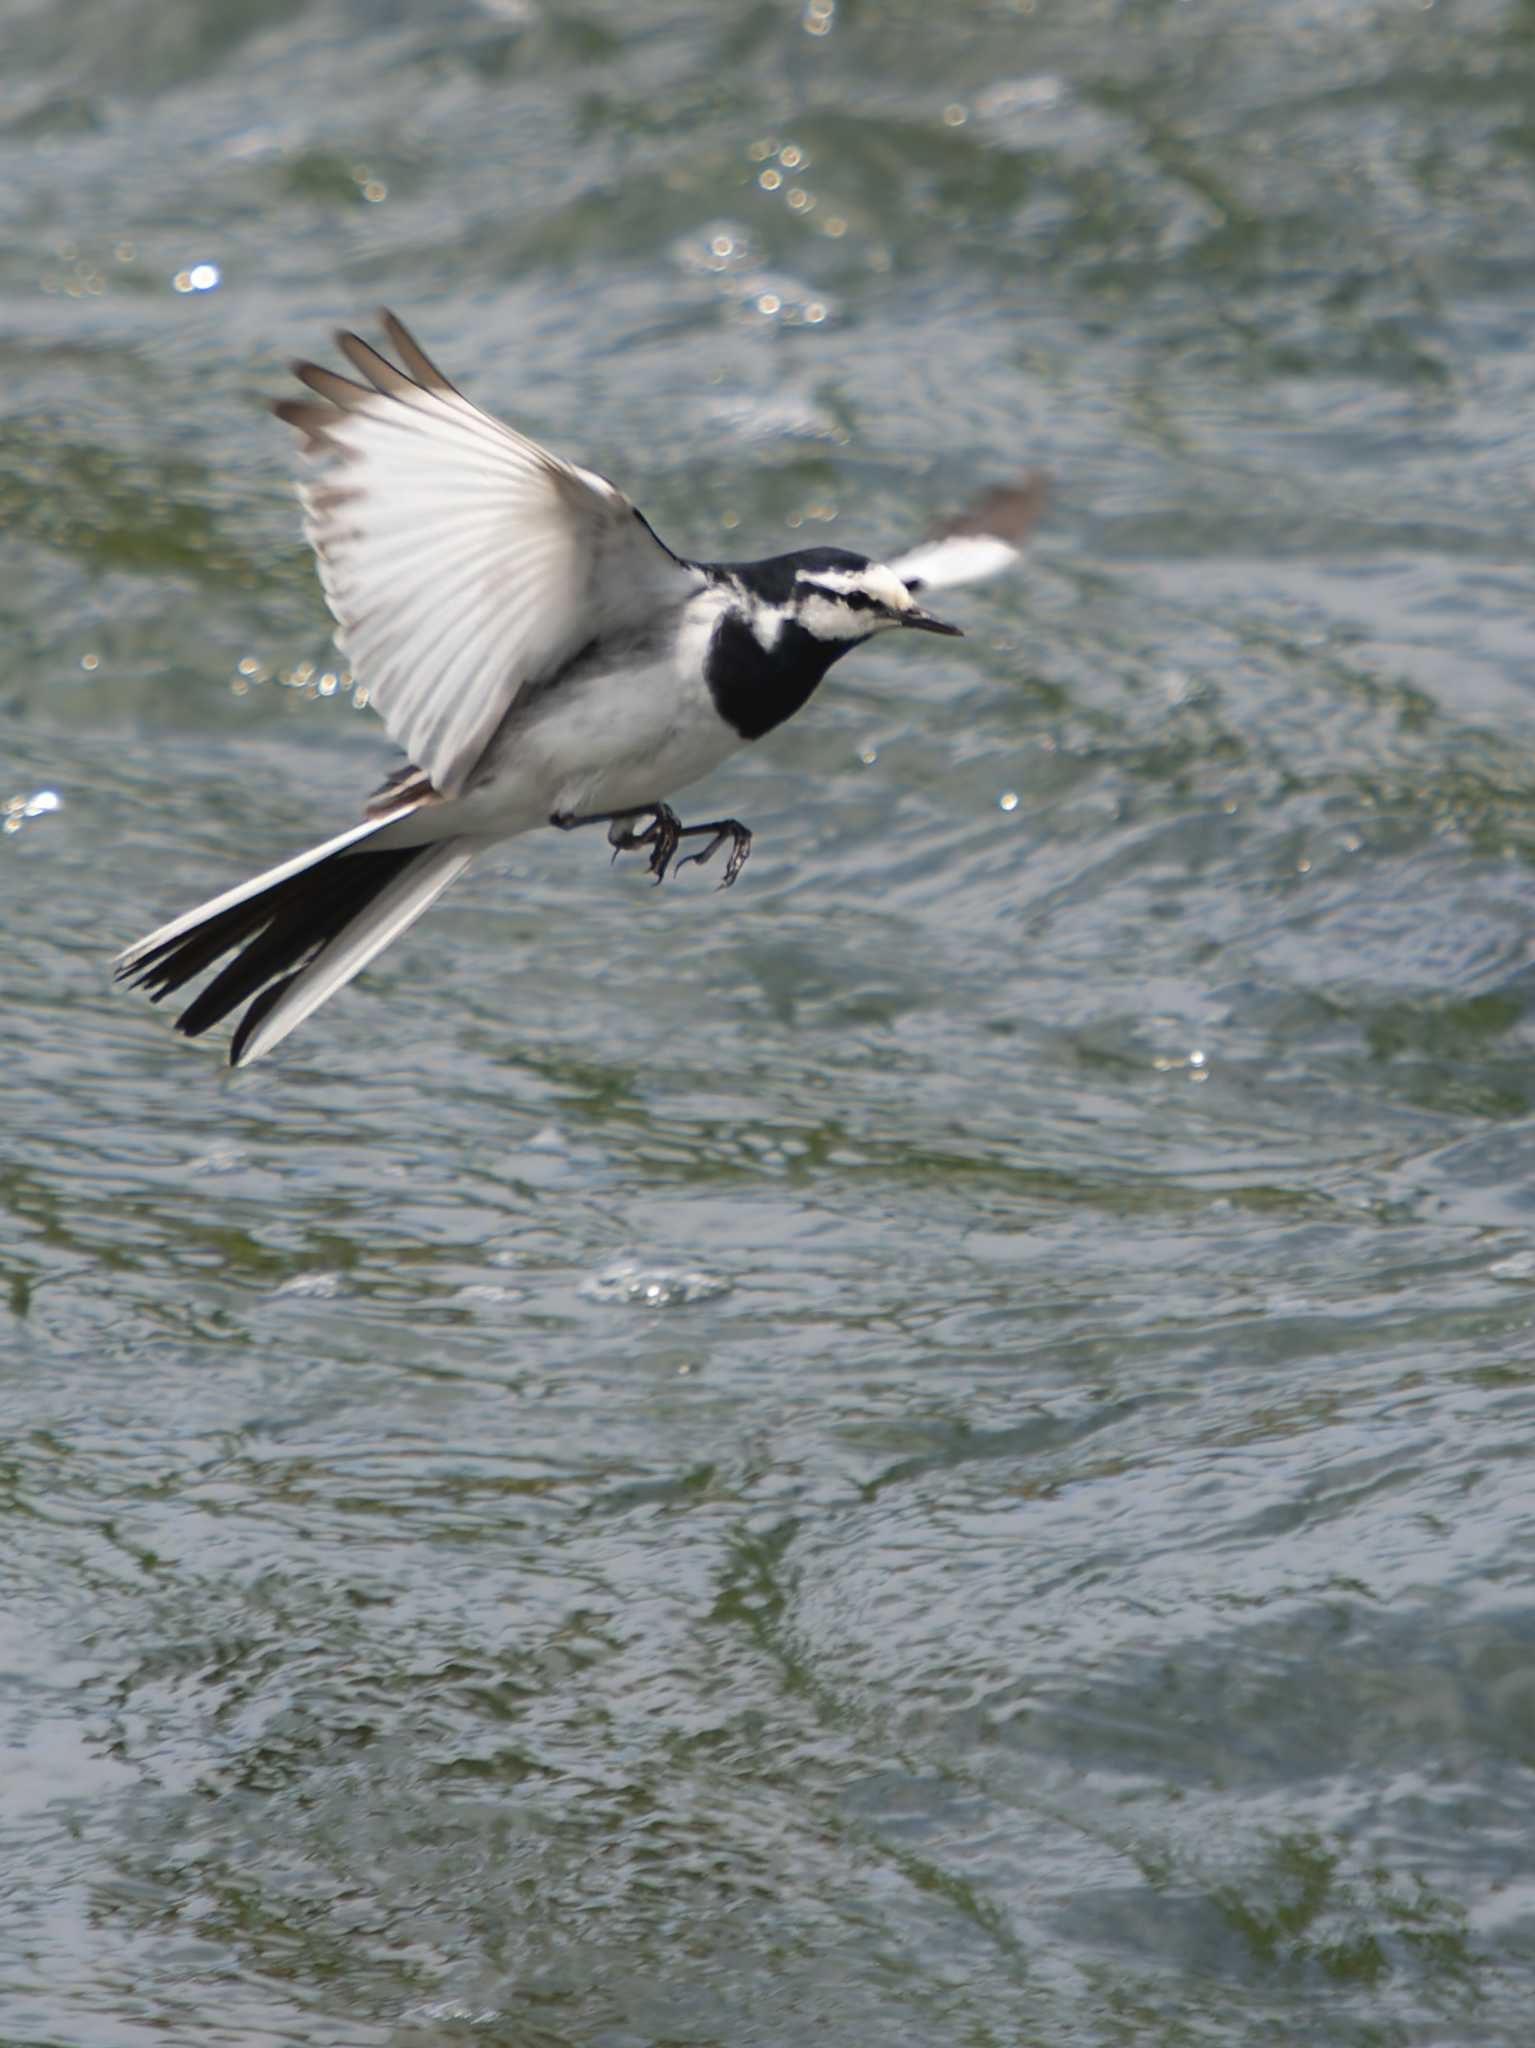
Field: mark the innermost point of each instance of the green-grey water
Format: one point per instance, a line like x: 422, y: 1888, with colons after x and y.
x: 938, y: 1448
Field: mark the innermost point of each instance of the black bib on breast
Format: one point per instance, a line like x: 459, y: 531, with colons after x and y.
x: 755, y: 687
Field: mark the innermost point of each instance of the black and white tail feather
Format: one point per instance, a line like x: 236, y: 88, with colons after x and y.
x: 302, y: 931
x: 536, y: 651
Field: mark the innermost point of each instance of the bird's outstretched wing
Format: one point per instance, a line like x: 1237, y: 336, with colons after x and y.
x: 981, y: 541
x: 459, y: 559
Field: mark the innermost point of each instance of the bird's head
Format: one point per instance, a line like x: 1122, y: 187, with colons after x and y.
x: 842, y: 598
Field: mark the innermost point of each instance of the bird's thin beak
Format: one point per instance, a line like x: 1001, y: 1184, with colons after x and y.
x: 926, y: 623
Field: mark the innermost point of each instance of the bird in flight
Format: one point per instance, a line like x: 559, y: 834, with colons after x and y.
x: 540, y: 656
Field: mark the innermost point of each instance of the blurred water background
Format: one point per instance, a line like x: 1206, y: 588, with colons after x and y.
x: 937, y: 1449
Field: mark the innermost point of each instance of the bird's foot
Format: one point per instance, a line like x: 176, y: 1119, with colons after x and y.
x: 661, y: 835
x: 722, y: 829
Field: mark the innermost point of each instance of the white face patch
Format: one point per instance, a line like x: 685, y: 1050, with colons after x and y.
x: 876, y: 581
x: 820, y: 610
x: 828, y: 618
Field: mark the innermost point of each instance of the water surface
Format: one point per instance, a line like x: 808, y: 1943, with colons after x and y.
x: 933, y: 1449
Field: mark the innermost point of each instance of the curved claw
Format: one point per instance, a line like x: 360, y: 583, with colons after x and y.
x: 663, y: 835
x: 741, y: 846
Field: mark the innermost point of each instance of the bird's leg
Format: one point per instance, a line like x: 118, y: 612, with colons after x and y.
x: 660, y: 835
x: 723, y: 829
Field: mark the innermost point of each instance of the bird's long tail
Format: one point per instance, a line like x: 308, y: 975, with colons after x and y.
x: 298, y: 933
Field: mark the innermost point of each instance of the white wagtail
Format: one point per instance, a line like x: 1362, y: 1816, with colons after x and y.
x: 540, y: 656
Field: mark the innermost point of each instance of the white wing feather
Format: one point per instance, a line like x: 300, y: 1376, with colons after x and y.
x: 460, y: 560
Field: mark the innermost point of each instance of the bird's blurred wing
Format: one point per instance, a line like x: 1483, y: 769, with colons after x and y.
x: 981, y: 541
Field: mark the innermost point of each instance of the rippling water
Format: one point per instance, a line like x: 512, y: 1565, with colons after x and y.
x: 934, y: 1450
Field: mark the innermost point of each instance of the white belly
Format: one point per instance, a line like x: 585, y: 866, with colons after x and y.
x: 624, y: 740
x: 605, y: 740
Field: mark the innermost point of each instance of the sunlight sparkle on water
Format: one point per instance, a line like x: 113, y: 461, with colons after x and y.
x: 628, y: 1281
x: 202, y: 277
x: 1195, y: 1064
x: 19, y: 809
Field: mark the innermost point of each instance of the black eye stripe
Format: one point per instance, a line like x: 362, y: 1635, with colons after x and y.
x: 856, y: 600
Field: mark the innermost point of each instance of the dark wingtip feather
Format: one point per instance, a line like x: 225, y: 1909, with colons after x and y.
x: 418, y: 363
x: 378, y: 370
x: 312, y: 421
x: 344, y: 392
